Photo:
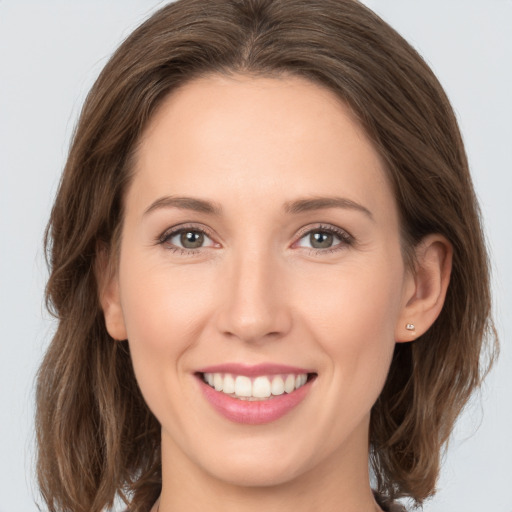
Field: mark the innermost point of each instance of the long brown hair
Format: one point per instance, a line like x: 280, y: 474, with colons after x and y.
x: 96, y: 437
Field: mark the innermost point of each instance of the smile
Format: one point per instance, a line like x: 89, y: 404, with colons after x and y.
x: 254, y: 395
x: 261, y: 387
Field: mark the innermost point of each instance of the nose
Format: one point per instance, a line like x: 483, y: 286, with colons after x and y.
x: 255, y: 305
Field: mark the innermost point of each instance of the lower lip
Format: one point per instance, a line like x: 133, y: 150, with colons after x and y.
x: 254, y: 412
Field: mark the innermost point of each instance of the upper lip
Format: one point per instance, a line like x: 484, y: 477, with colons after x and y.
x: 253, y: 370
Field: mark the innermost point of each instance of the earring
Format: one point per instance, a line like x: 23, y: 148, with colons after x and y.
x: 410, y: 327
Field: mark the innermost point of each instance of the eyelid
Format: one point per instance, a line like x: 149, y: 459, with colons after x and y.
x: 343, y: 235
x: 322, y: 227
x: 175, y: 230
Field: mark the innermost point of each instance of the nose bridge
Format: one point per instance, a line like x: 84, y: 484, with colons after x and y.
x: 255, y: 306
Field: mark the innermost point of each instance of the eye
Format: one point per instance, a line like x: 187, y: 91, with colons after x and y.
x: 186, y: 239
x: 325, y: 239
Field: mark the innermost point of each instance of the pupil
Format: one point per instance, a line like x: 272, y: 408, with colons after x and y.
x: 321, y: 240
x: 191, y: 239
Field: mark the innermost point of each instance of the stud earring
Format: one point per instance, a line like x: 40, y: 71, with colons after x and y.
x: 410, y: 327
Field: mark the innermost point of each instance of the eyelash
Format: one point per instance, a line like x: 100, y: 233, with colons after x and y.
x: 167, y: 235
x: 345, y: 239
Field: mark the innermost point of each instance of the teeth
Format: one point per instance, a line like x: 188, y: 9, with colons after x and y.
x: 218, y: 382
x: 277, y: 387
x: 229, y: 384
x: 263, y: 386
x: 243, y: 386
x: 289, y: 383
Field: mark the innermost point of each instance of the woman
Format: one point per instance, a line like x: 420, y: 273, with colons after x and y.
x: 268, y: 269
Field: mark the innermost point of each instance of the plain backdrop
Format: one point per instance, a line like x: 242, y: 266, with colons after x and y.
x: 51, y: 52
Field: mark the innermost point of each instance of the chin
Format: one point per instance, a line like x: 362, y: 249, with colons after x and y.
x: 255, y: 473
x: 252, y: 461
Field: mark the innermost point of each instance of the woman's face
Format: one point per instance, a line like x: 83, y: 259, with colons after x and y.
x: 260, y: 243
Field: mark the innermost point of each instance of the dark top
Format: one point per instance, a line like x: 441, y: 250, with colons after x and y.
x: 385, y: 505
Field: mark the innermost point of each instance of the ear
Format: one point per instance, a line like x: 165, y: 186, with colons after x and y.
x: 425, y: 288
x: 109, y: 296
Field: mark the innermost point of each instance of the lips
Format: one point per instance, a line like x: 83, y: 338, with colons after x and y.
x: 254, y: 394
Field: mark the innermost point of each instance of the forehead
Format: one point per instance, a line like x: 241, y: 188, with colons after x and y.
x: 248, y: 137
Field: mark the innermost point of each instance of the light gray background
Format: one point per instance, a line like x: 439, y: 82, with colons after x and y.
x: 50, y: 53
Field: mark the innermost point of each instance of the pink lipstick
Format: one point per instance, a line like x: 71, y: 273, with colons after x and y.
x: 254, y: 394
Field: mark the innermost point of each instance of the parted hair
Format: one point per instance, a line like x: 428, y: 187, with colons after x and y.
x: 97, y: 439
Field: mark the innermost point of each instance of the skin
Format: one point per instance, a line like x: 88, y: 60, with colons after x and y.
x: 258, y: 291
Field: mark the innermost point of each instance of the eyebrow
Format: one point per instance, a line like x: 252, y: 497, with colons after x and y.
x: 320, y: 203
x: 185, y: 203
x: 290, y: 207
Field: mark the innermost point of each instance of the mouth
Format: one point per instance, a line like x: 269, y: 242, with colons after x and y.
x: 254, y: 394
x: 255, y: 388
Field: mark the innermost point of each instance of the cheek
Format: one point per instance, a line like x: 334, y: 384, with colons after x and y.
x: 358, y: 300
x: 352, y: 322
x: 164, y: 314
x: 352, y: 315
x: 161, y: 302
